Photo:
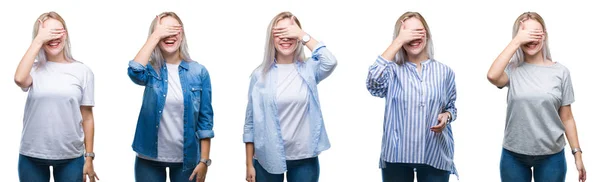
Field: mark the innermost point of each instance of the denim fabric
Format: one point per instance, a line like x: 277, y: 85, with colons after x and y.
x: 65, y: 170
x: 197, y: 114
x: 304, y: 170
x: 154, y: 171
x: 404, y: 172
x: 516, y: 167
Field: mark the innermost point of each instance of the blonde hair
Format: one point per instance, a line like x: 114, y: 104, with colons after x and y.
x: 41, y: 57
x: 156, y: 59
x: 401, y: 56
x: 519, y: 56
x: 270, y: 51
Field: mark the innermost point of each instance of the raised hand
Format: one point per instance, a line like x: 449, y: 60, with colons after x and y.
x: 291, y: 31
x: 525, y: 35
x: 407, y: 35
x: 161, y: 30
x: 46, y: 34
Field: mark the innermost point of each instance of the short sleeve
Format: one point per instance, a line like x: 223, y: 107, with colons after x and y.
x: 508, y: 70
x: 568, y: 97
x: 32, y: 73
x: 87, y: 98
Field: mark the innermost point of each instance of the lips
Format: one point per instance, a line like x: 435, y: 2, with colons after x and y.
x: 169, y: 42
x: 285, y: 45
x: 415, y: 43
x: 54, y: 43
x: 532, y: 45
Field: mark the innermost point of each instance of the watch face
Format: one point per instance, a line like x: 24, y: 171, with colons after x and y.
x: 208, y: 162
x: 306, y: 38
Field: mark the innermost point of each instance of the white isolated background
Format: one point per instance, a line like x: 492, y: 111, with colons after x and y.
x: 228, y: 38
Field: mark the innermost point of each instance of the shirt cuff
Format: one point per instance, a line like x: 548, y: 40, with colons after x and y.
x: 382, y: 61
x: 136, y: 66
x: 248, y: 138
x: 202, y: 134
x: 319, y: 46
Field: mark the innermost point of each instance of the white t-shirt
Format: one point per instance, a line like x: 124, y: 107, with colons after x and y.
x: 292, y: 105
x: 170, y: 130
x: 52, y: 123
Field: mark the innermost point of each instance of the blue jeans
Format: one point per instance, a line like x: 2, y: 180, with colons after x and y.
x: 303, y: 170
x: 154, y: 171
x: 403, y: 172
x: 38, y: 170
x: 547, y: 168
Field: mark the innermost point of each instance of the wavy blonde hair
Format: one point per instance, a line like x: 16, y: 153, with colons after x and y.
x: 156, y: 59
x: 401, y: 56
x: 270, y: 51
x: 41, y: 57
x: 519, y: 56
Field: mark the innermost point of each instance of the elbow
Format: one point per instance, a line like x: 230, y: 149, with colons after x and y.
x: 21, y: 82
x: 492, y: 78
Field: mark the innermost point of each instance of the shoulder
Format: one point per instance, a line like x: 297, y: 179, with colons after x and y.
x: 443, y: 67
x: 563, y: 69
x: 196, y: 67
x: 80, y: 66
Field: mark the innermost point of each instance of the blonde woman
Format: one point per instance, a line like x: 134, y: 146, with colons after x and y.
x: 540, y: 94
x: 176, y: 119
x: 420, y: 94
x: 284, y: 130
x: 58, y: 124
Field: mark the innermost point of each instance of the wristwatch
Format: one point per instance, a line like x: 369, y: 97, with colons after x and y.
x: 206, y: 161
x: 305, y: 39
x: 575, y: 150
x: 90, y: 154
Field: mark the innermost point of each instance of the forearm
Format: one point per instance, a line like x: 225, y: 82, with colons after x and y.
x: 312, y: 43
x: 249, y: 154
x: 22, y: 77
x: 390, y: 53
x: 205, y: 148
x: 497, y: 69
x: 143, y: 56
x: 88, y: 130
x: 571, y: 132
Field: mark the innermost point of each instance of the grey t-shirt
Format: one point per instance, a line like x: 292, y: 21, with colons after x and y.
x: 535, y: 94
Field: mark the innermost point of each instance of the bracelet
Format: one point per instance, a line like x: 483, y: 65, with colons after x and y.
x: 575, y: 150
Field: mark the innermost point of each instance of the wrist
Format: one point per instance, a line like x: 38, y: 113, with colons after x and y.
x: 515, y: 43
x: 37, y: 42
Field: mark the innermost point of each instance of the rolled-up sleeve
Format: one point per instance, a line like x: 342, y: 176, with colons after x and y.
x: 205, y: 119
x: 249, y: 122
x: 325, y: 60
x: 378, y: 77
x: 137, y: 73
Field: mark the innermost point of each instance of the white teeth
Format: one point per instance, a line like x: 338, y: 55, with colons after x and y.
x: 53, y: 44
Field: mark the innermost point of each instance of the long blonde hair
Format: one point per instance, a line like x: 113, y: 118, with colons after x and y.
x: 519, y: 56
x: 156, y: 59
x: 401, y: 56
x: 270, y: 51
x: 41, y: 57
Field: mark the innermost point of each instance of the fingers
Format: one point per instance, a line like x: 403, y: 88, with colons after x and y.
x: 157, y: 20
x: 293, y: 20
x: 193, y: 174
x: 41, y: 23
x: 84, y: 177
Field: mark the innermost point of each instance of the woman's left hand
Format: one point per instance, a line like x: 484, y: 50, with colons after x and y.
x: 199, y: 172
x: 581, y: 169
x: 88, y: 171
x: 442, y: 119
x: 291, y: 31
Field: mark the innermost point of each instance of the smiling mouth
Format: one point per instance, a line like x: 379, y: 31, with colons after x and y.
x: 415, y: 43
x: 54, y: 43
x: 285, y: 45
x: 170, y: 42
x: 532, y: 45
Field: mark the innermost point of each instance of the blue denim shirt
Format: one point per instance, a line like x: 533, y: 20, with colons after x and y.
x: 262, y: 122
x: 197, y: 112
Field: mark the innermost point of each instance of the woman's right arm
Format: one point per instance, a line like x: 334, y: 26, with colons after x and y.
x: 377, y: 80
x: 22, y: 75
x: 496, y: 75
x: 137, y: 67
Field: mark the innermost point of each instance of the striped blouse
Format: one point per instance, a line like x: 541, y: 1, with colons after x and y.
x: 412, y: 104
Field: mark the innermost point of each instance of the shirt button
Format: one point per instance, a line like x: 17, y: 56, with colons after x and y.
x: 164, y: 95
x: 156, y: 126
x: 159, y: 111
